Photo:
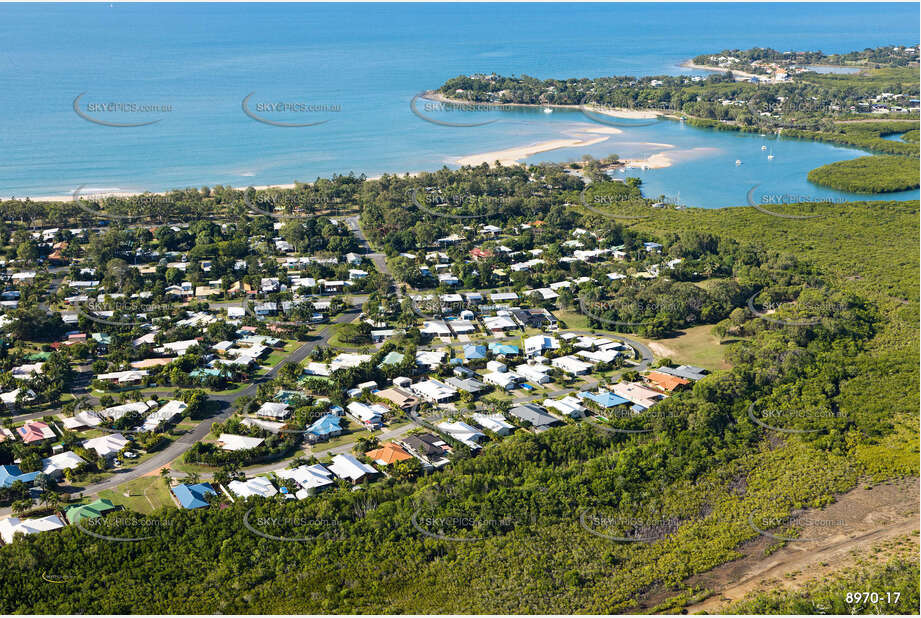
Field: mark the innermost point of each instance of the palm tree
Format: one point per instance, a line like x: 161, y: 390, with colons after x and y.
x: 165, y: 475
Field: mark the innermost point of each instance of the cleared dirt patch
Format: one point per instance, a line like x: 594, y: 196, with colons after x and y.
x: 871, y: 517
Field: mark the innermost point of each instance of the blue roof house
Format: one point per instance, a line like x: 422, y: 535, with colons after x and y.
x: 605, y: 399
x: 503, y: 348
x: 9, y: 474
x: 474, y: 352
x: 326, y: 427
x: 193, y: 496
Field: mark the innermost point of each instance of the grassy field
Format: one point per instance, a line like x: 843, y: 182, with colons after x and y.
x: 145, y: 495
x: 694, y: 346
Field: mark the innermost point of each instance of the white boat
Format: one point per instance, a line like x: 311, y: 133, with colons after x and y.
x: 764, y: 148
x: 771, y: 155
x: 738, y: 161
x: 547, y: 110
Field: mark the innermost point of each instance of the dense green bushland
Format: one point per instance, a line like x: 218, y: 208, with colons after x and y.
x: 877, y: 174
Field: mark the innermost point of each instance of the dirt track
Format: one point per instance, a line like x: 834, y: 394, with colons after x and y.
x: 871, y: 517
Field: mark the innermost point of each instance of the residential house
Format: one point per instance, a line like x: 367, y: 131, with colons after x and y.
x: 94, y: 510
x: 428, y: 447
x: 193, y: 496
x: 35, y: 431
x: 311, y: 479
x: 571, y: 365
x: 11, y: 526
x: 326, y: 427
x: 534, y: 415
x: 434, y: 391
x: 55, y: 465
x: 107, y: 446
x: 257, y: 486
x: 370, y: 416
x: 463, y: 433
x: 349, y: 468
x: 388, y: 453
x: 568, y: 406
x: 495, y: 423
x: 234, y: 442
x: 399, y: 397
x: 274, y: 410
x: 665, y: 382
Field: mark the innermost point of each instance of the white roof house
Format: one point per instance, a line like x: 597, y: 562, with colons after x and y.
x: 429, y: 358
x: 568, y: 405
x: 498, y: 323
x: 84, y: 418
x: 436, y: 328
x: 274, y: 409
x: 599, y: 356
x: 370, y: 415
x: 506, y: 380
x: 234, y: 442
x: 256, y: 486
x: 495, y: 423
x: 179, y: 347
x: 107, y: 445
x: 348, y: 468
x: 116, y: 412
x: 310, y: 478
x: 123, y: 377
x: 434, y: 390
x: 534, y: 373
x: 539, y: 343
x: 56, y: 464
x: 462, y: 432
x: 12, y: 525
x: 24, y: 372
x: 347, y: 360
x: 272, y: 426
x: 571, y: 365
x: 170, y: 410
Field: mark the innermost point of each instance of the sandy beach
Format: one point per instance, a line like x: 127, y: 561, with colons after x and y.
x: 576, y: 138
x: 739, y: 75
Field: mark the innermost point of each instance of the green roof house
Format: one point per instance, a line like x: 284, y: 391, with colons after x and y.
x: 77, y: 513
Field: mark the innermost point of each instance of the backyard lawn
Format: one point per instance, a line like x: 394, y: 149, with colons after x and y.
x: 145, y: 495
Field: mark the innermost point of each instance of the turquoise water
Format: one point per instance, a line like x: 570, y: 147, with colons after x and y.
x: 202, y: 60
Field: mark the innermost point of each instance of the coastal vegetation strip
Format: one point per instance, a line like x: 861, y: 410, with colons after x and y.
x: 874, y: 174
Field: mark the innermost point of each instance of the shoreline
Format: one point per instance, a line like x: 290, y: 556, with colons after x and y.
x: 507, y: 156
x: 688, y: 64
x: 620, y: 112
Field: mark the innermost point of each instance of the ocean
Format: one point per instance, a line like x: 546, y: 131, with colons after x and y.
x: 350, y: 73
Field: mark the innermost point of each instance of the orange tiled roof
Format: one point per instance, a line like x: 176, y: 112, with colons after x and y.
x: 666, y: 381
x: 389, y: 453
